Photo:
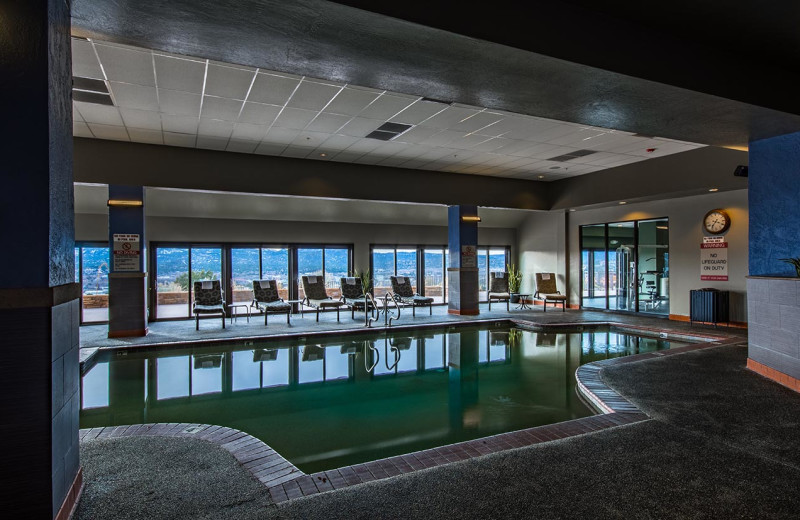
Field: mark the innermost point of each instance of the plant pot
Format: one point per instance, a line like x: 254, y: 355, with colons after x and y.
x: 514, y: 298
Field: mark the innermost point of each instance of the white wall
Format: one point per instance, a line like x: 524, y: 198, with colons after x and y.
x: 685, y: 236
x: 542, y: 246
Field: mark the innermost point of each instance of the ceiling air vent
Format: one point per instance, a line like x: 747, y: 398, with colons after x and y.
x: 388, y: 131
x: 91, y: 90
x: 572, y: 155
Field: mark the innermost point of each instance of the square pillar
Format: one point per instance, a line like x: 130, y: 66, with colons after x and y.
x: 462, y: 273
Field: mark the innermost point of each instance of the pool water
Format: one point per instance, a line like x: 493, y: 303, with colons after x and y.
x: 316, y: 403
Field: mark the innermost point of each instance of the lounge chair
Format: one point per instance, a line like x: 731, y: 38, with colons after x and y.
x: 266, y: 299
x: 317, y: 297
x: 498, y: 290
x: 547, y: 291
x: 353, y: 295
x: 208, y: 300
x: 401, y: 287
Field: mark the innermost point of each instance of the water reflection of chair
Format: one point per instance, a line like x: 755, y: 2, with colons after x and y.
x: 208, y: 361
x: 265, y: 355
x: 353, y: 347
x: 208, y: 300
x: 499, y: 339
x: 400, y: 343
x: 545, y: 339
x: 313, y: 353
x: 317, y: 297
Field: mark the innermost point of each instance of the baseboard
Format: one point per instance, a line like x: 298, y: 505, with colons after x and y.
x: 127, y: 333
x: 71, y: 500
x: 459, y: 312
x: 734, y: 324
x: 770, y: 373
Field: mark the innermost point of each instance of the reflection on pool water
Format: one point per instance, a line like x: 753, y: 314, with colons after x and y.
x: 318, y: 406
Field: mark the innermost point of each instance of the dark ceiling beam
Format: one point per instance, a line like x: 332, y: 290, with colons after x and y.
x: 336, y: 42
x: 114, y: 162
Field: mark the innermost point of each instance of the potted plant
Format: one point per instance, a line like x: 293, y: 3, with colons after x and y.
x: 514, y: 282
x: 795, y: 262
x: 366, y: 279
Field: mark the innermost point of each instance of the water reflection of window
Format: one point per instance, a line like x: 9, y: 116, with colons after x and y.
x: 337, y: 365
x: 246, y: 371
x: 173, y: 377
x: 207, y: 374
x: 95, y: 387
x: 483, y: 347
x: 312, y: 364
x: 434, y: 352
x: 408, y: 356
x: 274, y: 367
x: 381, y: 368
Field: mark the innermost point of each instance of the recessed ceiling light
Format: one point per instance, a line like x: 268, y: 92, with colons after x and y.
x: 713, y: 189
x: 572, y: 209
x: 323, y: 155
x: 622, y: 202
x: 541, y: 176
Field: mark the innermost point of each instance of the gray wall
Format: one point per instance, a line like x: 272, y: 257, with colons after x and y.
x: 90, y: 227
x: 543, y: 242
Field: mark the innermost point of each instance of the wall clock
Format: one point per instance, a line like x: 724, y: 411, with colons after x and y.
x: 716, y: 221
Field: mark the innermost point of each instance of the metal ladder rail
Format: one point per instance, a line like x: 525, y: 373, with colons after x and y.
x: 368, y: 346
x: 376, y: 312
x: 386, y: 346
x: 387, y: 320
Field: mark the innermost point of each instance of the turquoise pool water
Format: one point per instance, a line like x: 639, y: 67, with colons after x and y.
x: 315, y: 402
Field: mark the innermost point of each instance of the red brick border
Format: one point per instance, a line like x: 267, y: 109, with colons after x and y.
x: 775, y: 375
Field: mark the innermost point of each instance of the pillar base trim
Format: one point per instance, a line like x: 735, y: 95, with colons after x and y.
x: 775, y: 375
x: 463, y: 312
x: 128, y: 333
x: 37, y: 297
x: 71, y: 500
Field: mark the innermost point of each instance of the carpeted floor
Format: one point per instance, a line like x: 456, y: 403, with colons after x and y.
x: 724, y: 443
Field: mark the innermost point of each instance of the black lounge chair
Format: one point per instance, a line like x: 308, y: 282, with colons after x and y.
x: 401, y: 287
x: 546, y: 290
x: 266, y: 299
x: 353, y: 295
x: 208, y: 300
x: 317, y: 297
x: 498, y: 290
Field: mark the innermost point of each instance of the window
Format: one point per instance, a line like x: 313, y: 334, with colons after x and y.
x: 95, y: 387
x: 435, y: 273
x: 206, y: 265
x: 275, y: 266
x: 245, y: 267
x: 172, y: 282
x: 91, y: 272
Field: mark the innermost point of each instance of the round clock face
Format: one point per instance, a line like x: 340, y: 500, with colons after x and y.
x: 716, y: 221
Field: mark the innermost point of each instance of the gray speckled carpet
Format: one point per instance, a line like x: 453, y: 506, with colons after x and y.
x: 723, y: 443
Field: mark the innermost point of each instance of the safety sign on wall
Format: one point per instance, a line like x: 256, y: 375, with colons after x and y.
x: 469, y: 256
x: 714, y: 261
x: 126, y: 252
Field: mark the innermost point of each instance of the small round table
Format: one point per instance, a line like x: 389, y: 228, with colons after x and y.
x: 523, y: 301
x: 234, y: 313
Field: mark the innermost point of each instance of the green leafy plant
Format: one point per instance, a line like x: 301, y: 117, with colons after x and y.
x: 183, y: 279
x: 514, y: 278
x: 514, y: 337
x: 366, y: 279
x: 795, y: 262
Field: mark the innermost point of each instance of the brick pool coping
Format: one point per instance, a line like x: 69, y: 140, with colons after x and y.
x: 285, y: 482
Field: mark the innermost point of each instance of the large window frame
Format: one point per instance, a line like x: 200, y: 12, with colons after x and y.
x: 79, y: 247
x: 226, y: 276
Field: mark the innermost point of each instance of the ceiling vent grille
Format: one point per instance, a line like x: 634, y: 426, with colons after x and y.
x: 90, y: 90
x: 572, y: 155
x: 388, y: 131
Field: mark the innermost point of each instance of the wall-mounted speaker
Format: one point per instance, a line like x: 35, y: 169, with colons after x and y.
x: 740, y: 171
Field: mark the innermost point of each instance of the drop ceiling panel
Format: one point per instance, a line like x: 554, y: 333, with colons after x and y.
x: 126, y: 65
x: 180, y: 74
x: 228, y: 82
x: 212, y: 143
x: 328, y: 123
x: 146, y: 136
x: 271, y: 89
x: 221, y: 108
x: 478, y: 122
x: 351, y: 101
x: 101, y: 114
x: 294, y: 118
x: 80, y: 129
x: 418, y: 112
x: 259, y: 114
x: 84, y: 60
x: 113, y: 132
x: 359, y: 126
x: 215, y: 128
x: 242, y: 146
x: 249, y: 132
x: 312, y: 96
x: 179, y: 103
x: 134, y: 96
x: 179, y: 124
x: 448, y: 118
x: 144, y: 119
x: 385, y: 107
x: 185, y: 140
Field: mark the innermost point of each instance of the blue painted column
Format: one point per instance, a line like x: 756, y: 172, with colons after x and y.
x: 127, y: 279
x: 39, y: 299
x: 462, y: 273
x: 773, y: 288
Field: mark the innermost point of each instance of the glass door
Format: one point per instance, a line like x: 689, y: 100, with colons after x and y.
x: 206, y: 265
x: 245, y: 267
x: 172, y: 282
x: 623, y: 279
x: 434, y: 274
x: 654, y: 266
x: 93, y: 265
x: 275, y: 266
x: 309, y: 263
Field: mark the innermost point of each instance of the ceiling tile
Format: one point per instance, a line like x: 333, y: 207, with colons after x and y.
x: 179, y: 124
x: 448, y: 118
x: 553, y: 133
x: 360, y: 127
x: 80, y: 129
x: 259, y: 114
x: 139, y: 135
x: 282, y: 136
x: 523, y: 128
x: 248, y: 131
x: 126, y: 66
x: 308, y: 139
x: 84, y: 60
x: 265, y: 148
x: 346, y: 157
x: 294, y: 118
x: 221, y: 108
x: 179, y: 74
x: 468, y: 141
x: 542, y: 151
x: 141, y: 119
x: 271, y: 89
x: 228, y: 82
x: 76, y: 114
x: 298, y: 152
x: 491, y: 145
x: 179, y: 103
x: 101, y: 114
x: 363, y: 146
x: 134, y: 96
x: 418, y: 112
x: 242, y: 146
x: 328, y: 123
x: 477, y: 122
x: 312, y: 96
x: 113, y: 132
x: 418, y: 134
x: 338, y: 142
x: 187, y: 141
x: 214, y: 128
x: 385, y: 107
x: 351, y: 101
x: 443, y: 138
x: 211, y: 143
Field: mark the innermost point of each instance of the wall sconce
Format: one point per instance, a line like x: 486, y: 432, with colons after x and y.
x: 124, y: 203
x: 470, y: 218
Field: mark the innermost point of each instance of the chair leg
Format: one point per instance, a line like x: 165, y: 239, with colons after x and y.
x: 508, y: 301
x: 265, y: 317
x: 288, y: 314
x: 196, y: 321
x: 413, y: 311
x: 564, y: 306
x: 223, y: 319
x: 317, y: 314
x: 430, y: 310
x: 337, y: 313
x: 490, y: 304
x: 545, y: 304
